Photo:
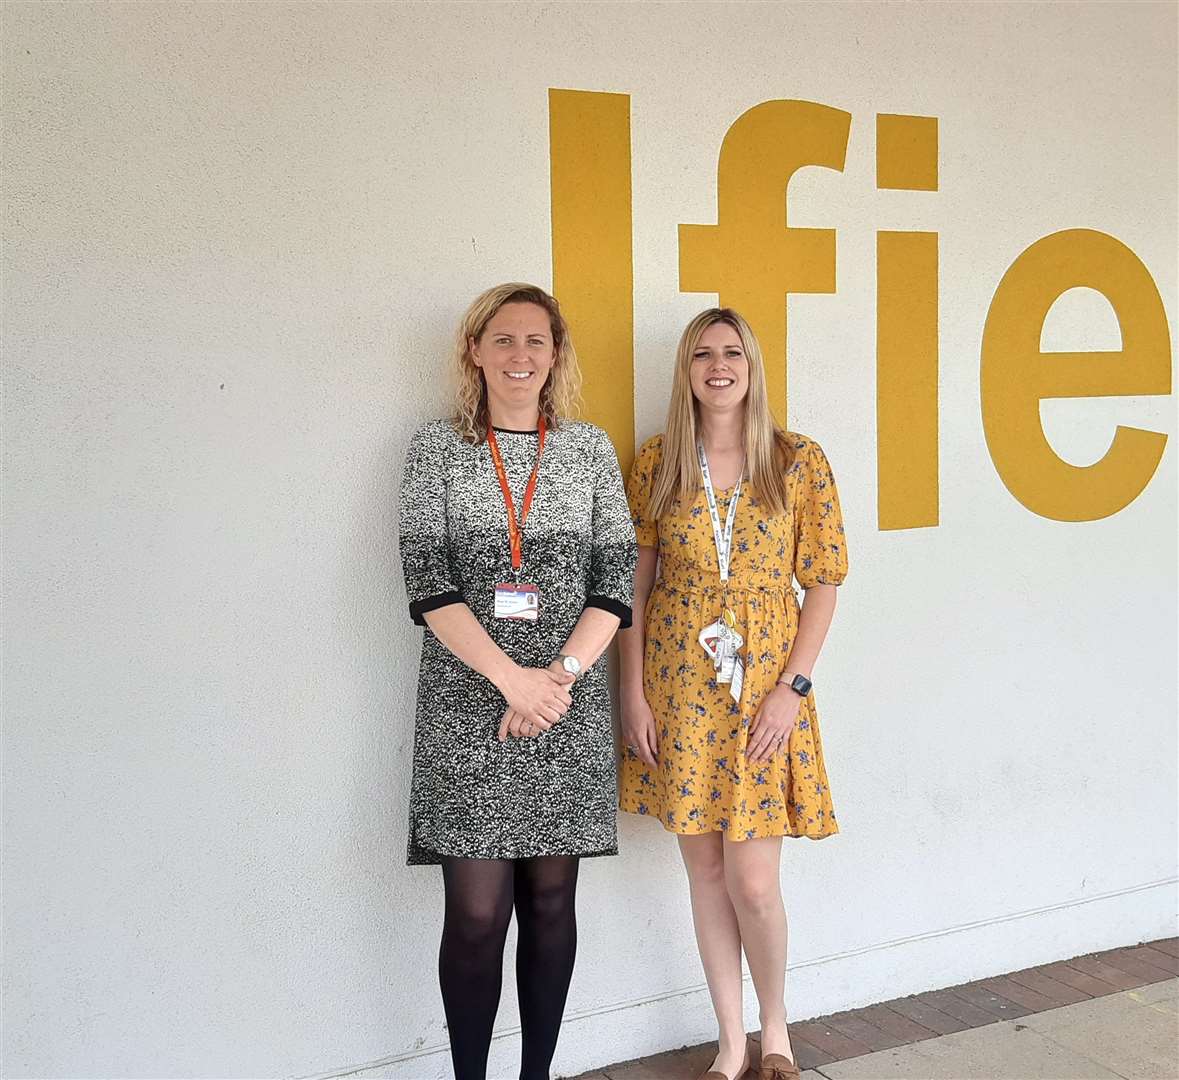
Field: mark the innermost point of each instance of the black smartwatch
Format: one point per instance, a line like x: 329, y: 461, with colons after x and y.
x: 800, y: 684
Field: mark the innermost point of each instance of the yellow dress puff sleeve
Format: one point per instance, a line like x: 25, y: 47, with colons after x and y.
x: 638, y: 491
x: 820, y: 552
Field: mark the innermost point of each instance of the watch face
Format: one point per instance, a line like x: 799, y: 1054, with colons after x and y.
x: 801, y: 684
x: 571, y: 665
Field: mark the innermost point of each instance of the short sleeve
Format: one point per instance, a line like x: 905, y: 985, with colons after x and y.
x: 425, y: 552
x: 613, y: 551
x: 820, y: 553
x: 638, y: 491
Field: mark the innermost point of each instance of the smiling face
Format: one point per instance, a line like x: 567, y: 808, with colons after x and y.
x: 515, y: 354
x: 719, y: 370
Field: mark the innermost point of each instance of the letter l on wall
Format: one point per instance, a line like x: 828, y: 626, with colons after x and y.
x: 593, y: 275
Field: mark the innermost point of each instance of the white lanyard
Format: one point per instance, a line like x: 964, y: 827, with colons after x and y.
x: 723, y: 537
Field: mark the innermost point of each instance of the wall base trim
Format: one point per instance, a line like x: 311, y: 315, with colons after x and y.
x: 697, y: 988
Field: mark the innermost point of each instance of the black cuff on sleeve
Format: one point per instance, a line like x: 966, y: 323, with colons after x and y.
x: 608, y: 603
x: 418, y: 608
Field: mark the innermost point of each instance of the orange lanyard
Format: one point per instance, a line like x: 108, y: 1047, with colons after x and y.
x: 516, y: 529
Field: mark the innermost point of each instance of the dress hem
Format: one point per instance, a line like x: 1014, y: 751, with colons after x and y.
x: 424, y: 856
x: 833, y: 830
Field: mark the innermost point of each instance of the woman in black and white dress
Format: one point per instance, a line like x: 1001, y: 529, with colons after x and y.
x: 519, y: 552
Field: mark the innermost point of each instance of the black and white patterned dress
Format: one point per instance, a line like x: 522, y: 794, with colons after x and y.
x: 555, y: 794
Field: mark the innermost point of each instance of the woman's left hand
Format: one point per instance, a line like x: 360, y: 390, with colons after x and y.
x: 770, y: 730
x: 517, y: 725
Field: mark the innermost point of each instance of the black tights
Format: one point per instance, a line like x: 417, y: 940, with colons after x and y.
x: 480, y: 895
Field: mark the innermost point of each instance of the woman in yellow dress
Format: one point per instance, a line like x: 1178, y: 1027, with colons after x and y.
x: 718, y: 718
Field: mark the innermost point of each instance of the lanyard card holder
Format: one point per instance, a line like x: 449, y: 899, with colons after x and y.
x: 720, y: 639
x: 516, y: 601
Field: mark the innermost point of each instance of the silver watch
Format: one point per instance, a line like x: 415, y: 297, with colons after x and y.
x: 570, y: 663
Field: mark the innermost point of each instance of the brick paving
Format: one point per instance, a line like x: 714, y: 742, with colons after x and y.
x: 918, y: 1017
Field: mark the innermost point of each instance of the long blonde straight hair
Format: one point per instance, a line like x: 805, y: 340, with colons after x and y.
x: 561, y: 392
x: 768, y: 451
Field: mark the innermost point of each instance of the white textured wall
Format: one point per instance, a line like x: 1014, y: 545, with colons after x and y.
x: 236, y: 240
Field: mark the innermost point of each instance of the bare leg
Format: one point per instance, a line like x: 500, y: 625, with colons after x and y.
x: 719, y: 941
x: 752, y: 879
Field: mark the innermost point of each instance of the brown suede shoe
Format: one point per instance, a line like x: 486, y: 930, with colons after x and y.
x: 714, y: 1074
x: 777, y: 1067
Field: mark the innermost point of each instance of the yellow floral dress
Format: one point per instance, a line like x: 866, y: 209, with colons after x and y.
x: 703, y: 782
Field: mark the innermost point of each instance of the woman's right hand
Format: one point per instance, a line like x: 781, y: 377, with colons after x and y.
x: 538, y: 694
x: 638, y: 729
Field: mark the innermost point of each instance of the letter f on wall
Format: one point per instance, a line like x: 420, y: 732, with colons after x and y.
x: 751, y: 257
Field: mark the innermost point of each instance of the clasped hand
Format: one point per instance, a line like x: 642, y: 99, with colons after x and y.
x: 537, y: 699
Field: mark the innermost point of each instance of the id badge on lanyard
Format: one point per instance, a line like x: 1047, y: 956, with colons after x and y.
x: 720, y: 639
x: 516, y: 599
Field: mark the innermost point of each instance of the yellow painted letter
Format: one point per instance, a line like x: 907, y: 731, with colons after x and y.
x: 750, y: 257
x: 906, y: 334
x: 593, y: 278
x: 906, y: 380
x: 1016, y: 374
x: 906, y: 152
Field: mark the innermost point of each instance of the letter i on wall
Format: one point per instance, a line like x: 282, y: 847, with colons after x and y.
x: 906, y: 333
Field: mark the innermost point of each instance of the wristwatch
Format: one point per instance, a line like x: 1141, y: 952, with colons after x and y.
x: 570, y: 663
x: 800, y: 684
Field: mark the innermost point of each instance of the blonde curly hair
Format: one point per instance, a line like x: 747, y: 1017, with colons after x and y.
x: 559, y: 397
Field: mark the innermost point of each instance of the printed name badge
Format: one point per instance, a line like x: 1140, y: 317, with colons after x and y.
x: 515, y: 601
